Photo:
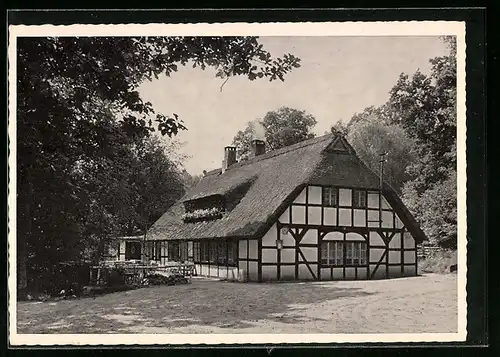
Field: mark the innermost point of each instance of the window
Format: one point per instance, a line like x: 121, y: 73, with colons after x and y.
x: 360, y: 198
x: 221, y: 253
x: 157, y: 250
x: 133, y: 251
x: 173, y: 251
x: 330, y: 196
x: 332, y: 253
x: 183, y: 251
x: 213, y: 253
x: 204, y: 251
x: 196, y: 252
x: 218, y: 252
x: 232, y: 252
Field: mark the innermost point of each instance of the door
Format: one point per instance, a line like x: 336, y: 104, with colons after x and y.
x: 133, y: 251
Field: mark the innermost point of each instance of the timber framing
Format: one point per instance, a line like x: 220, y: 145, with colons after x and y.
x: 287, y: 234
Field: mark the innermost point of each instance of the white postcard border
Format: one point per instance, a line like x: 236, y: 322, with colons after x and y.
x: 407, y: 28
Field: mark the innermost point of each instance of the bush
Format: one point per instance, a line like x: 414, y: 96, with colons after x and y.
x: 158, y: 279
x: 63, y: 279
x: 114, y: 276
x: 439, y: 261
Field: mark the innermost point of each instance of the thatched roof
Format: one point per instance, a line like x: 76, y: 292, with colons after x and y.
x: 262, y: 188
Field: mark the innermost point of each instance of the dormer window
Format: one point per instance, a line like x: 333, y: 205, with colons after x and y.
x: 204, y: 209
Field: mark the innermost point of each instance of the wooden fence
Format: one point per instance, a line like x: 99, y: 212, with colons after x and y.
x: 424, y: 251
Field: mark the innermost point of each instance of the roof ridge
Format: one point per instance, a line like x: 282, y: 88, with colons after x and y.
x: 280, y: 151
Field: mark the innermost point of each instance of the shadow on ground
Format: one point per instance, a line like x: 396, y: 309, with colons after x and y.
x: 202, y: 303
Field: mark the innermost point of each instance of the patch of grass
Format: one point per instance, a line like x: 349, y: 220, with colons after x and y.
x: 438, y: 261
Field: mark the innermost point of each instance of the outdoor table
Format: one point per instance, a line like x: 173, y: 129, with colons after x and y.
x: 142, y: 270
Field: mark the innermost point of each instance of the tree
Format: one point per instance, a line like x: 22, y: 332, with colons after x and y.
x: 280, y: 128
x: 78, y: 108
x: 436, y: 209
x: 339, y: 128
x: 417, y: 127
x: 426, y: 107
x: 371, y: 138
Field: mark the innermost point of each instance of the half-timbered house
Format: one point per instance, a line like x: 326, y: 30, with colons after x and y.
x: 310, y: 211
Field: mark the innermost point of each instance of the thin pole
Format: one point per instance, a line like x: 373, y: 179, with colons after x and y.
x: 382, y: 160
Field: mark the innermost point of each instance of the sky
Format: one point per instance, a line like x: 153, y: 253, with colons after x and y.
x: 338, y: 77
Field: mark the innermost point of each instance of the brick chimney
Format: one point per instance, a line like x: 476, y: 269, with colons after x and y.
x: 229, y: 157
x: 258, y: 147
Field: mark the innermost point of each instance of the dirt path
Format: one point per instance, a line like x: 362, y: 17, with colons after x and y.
x: 409, y: 305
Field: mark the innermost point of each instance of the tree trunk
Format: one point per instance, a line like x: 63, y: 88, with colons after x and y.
x: 22, y: 276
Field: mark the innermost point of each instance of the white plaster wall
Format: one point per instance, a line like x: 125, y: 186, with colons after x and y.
x: 345, y: 197
x: 287, y: 255
x: 354, y: 236
x: 330, y: 216
x: 338, y: 273
x: 373, y: 199
x: 325, y: 274
x: 359, y: 218
x: 373, y: 217
x: 253, y: 271
x: 287, y: 272
x: 399, y: 223
x: 270, y: 237
x: 288, y: 240
x: 301, y: 198
x: 314, y: 194
x: 387, y: 219
x: 304, y: 273
x: 380, y: 273
x: 269, y: 255
x: 394, y: 271
x: 395, y: 241
x: 375, y: 254
x: 285, y: 217
x: 409, y: 257
x: 375, y: 239
x: 385, y: 205
x: 410, y: 270
x: 242, y: 249
x: 345, y: 218
x: 350, y: 273
x: 409, y: 242
x: 311, y: 254
x: 311, y: 237
x: 269, y: 273
x: 298, y: 215
x: 362, y: 273
x: 253, y: 249
x: 314, y: 215
x: 394, y: 257
x: 334, y: 236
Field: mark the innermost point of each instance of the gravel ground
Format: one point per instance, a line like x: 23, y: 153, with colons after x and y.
x: 408, y: 305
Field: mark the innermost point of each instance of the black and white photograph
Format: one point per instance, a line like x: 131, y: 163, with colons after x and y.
x: 237, y: 183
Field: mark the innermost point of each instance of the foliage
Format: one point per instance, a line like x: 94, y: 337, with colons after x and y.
x: 371, y: 138
x: 208, y: 213
x: 417, y: 127
x: 436, y: 209
x: 86, y: 169
x: 438, y: 262
x: 339, y: 128
x: 282, y: 127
